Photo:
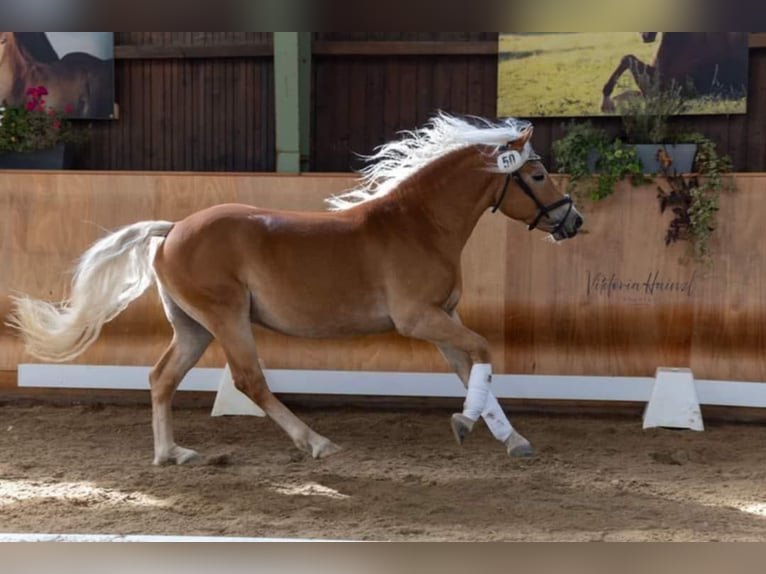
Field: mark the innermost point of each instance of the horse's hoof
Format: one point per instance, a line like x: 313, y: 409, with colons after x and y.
x: 461, y: 426
x: 522, y: 451
x: 178, y: 455
x: 607, y: 106
x: 186, y: 455
x: 519, y: 447
x: 324, y: 449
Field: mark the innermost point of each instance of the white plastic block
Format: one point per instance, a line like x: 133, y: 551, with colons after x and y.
x: 673, y: 402
x: 230, y: 401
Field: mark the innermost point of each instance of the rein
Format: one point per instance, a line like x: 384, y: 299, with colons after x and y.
x: 542, y: 209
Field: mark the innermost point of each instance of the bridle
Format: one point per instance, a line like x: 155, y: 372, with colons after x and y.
x: 542, y: 209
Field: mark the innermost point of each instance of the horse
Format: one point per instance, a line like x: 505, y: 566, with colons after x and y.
x: 385, y: 256
x: 702, y: 63
x: 76, y: 82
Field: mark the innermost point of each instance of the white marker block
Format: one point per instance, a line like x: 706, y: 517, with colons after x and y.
x: 673, y: 402
x: 230, y: 401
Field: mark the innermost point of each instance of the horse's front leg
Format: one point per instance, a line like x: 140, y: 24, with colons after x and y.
x: 466, y: 348
x: 639, y: 70
x: 493, y: 415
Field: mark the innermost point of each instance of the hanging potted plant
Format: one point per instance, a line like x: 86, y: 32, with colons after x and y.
x: 693, y: 199
x: 586, y: 150
x: 645, y: 122
x: 35, y: 136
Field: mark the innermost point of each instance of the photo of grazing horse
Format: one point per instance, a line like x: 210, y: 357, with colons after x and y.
x: 78, y: 81
x: 386, y: 256
x: 701, y: 63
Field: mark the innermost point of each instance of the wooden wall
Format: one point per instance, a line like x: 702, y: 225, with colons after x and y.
x: 201, y: 101
x: 370, y: 85
x: 613, y: 301
x: 204, y: 101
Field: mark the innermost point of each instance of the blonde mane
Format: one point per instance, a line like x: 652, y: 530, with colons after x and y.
x: 395, y: 161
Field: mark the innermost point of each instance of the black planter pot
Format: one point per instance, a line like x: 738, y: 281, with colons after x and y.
x: 680, y: 155
x: 58, y: 157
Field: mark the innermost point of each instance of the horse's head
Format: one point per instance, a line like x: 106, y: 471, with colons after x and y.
x: 7, y: 44
x: 530, y: 195
x: 648, y: 37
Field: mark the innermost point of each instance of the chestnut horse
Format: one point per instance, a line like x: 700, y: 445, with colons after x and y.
x: 704, y: 62
x: 387, y: 256
x: 78, y: 81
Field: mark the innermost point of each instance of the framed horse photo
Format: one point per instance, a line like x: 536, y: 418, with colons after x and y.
x: 591, y: 73
x: 75, y: 68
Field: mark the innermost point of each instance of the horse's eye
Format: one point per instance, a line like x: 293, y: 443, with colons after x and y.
x: 538, y: 177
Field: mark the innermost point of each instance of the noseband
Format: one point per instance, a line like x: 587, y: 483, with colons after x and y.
x: 542, y: 209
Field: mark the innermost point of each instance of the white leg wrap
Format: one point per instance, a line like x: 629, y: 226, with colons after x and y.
x: 478, y: 390
x: 496, y: 420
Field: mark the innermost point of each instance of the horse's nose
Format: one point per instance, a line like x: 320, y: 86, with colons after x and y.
x: 578, y: 222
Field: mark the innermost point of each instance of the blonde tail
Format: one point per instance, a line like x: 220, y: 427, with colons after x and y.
x: 113, y: 272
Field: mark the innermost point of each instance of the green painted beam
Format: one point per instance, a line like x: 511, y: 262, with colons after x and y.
x: 292, y: 85
x: 304, y: 69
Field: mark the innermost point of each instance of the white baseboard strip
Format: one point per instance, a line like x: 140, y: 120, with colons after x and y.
x: 538, y: 387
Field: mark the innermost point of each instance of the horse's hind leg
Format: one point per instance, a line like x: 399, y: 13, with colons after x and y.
x: 190, y: 339
x: 234, y: 332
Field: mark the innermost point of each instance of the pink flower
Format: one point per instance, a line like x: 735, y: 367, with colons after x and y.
x: 57, y: 124
x: 69, y: 109
x: 30, y: 105
x: 39, y: 91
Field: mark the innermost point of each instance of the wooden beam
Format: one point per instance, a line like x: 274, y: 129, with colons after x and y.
x: 292, y: 74
x: 404, y: 48
x: 330, y: 48
x: 181, y: 51
x: 435, y: 48
x: 758, y: 39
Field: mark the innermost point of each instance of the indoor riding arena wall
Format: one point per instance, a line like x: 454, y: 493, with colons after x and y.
x: 615, y: 301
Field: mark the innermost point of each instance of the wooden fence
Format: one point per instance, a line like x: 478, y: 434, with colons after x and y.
x: 614, y: 301
x: 189, y: 101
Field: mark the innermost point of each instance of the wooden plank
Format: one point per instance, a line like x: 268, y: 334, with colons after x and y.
x: 404, y: 48
x: 407, y: 73
x: 134, y: 113
x: 193, y: 51
x: 392, y: 103
x: 434, y: 47
x: 374, y: 135
x: 756, y: 114
x: 358, y: 114
x: 424, y: 104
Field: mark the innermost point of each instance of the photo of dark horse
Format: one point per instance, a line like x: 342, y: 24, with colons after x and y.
x: 76, y: 81
x: 700, y: 63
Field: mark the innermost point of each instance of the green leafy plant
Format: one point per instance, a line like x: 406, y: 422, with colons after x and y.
x: 34, y: 125
x: 693, y: 200
x: 586, y: 150
x: 596, y: 164
x: 645, y: 117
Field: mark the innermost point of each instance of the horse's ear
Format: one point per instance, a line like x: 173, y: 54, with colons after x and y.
x: 522, y: 140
